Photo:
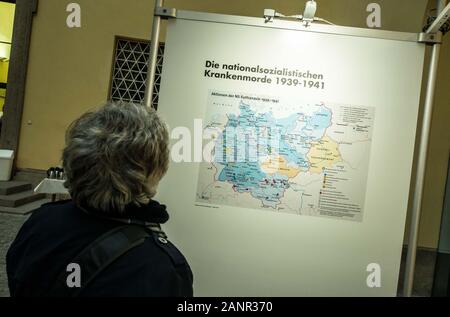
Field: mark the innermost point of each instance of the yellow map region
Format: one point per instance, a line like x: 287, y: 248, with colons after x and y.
x: 279, y: 165
x: 323, y: 154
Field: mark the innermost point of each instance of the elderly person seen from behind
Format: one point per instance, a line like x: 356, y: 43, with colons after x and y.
x: 114, y: 159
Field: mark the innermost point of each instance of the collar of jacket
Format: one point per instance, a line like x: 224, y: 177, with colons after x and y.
x: 153, y: 212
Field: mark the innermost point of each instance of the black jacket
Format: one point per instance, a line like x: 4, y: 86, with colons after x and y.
x: 57, y: 232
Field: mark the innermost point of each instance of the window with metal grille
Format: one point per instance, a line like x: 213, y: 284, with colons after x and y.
x: 129, y: 71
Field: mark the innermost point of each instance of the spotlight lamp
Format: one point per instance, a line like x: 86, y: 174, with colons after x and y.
x: 308, y: 16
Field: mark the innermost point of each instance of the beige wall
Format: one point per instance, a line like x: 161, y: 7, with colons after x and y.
x: 69, y: 70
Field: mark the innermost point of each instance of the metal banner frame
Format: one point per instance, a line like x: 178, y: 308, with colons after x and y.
x: 422, y: 159
x: 431, y: 37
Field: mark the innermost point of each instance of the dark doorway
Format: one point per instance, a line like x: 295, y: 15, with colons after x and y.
x: 441, y: 285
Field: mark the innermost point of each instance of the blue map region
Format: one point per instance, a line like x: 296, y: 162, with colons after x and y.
x: 250, y: 135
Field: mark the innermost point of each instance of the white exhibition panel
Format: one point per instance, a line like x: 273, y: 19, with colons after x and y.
x: 235, y: 251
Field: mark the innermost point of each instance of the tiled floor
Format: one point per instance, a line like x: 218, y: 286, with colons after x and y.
x: 424, y: 272
x: 9, y: 225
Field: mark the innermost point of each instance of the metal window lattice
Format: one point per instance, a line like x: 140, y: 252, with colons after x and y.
x: 130, y: 71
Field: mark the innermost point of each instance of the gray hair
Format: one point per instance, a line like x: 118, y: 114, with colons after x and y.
x: 115, y: 156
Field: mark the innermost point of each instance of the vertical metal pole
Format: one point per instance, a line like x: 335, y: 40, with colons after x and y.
x: 154, y: 45
x: 421, y: 165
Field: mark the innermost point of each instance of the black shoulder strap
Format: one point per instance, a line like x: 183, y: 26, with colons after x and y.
x: 98, y: 255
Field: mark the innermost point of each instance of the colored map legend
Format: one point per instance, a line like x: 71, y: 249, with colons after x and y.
x: 333, y: 199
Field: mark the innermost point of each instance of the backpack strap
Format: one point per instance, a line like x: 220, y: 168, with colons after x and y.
x: 99, y: 255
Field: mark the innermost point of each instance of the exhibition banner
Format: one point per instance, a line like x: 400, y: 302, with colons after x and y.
x: 292, y: 153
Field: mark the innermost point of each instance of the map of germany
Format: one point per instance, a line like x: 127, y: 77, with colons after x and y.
x: 277, y: 155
